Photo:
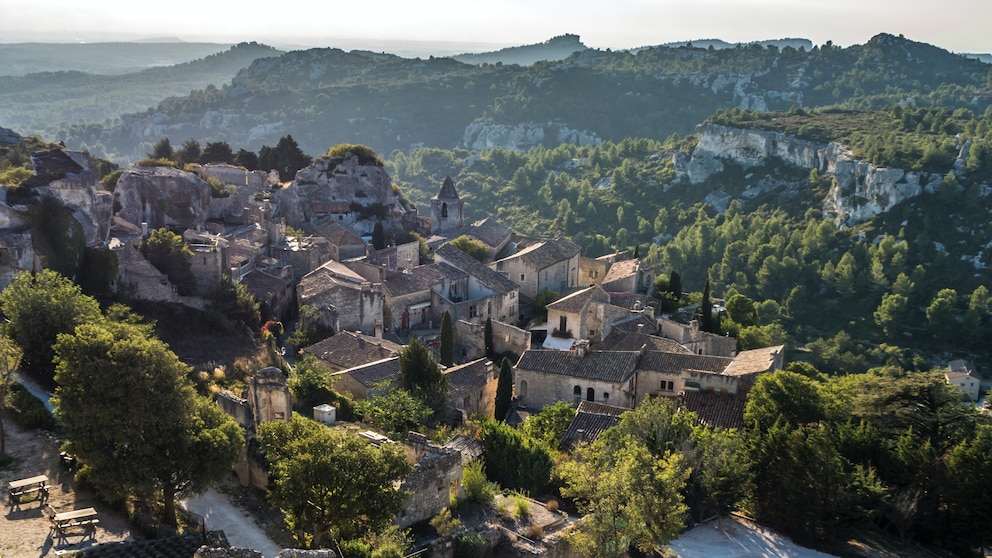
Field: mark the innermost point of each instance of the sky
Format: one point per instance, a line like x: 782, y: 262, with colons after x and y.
x: 454, y: 26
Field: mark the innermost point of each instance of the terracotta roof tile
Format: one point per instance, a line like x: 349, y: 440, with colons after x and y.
x: 591, y: 419
x: 715, y: 408
x: 606, y: 366
x: 348, y: 349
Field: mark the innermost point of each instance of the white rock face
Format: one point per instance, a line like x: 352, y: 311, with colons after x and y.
x: 521, y: 137
x: 860, y: 192
x: 162, y: 197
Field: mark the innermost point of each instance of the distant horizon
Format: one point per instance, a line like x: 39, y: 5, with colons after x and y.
x: 401, y: 47
x: 445, y: 27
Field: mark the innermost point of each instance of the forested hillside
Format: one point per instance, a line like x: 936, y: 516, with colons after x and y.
x: 52, y: 104
x: 326, y: 96
x: 910, y: 281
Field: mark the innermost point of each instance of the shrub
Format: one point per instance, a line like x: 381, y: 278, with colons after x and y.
x: 28, y: 410
x: 521, y: 507
x: 552, y: 505
x: 535, y: 532
x: 157, y: 163
x: 366, y: 155
x: 478, y: 488
x: 470, y: 545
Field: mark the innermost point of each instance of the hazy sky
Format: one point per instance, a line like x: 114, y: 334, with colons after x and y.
x: 960, y: 26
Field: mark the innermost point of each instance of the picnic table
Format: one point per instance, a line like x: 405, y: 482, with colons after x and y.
x: 85, y: 517
x: 31, y: 485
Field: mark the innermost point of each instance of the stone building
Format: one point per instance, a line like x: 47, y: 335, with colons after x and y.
x: 542, y: 264
x: 472, y: 387
x: 343, y: 299
x: 544, y: 377
x: 478, y: 293
x: 447, y: 208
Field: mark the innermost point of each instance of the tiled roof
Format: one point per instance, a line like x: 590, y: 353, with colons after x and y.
x: 458, y: 259
x: 419, y: 279
x: 263, y: 286
x: 176, y: 546
x: 676, y: 362
x: 634, y: 325
x: 470, y: 375
x: 490, y: 231
x: 369, y: 375
x: 470, y: 448
x: 754, y: 361
x: 338, y: 235
x: 622, y: 341
x: 619, y: 270
x: 605, y: 366
x: 548, y: 252
x: 348, y: 349
x: 448, y: 191
x: 631, y: 301
x: 591, y: 419
x: 576, y: 301
x: 326, y: 277
x: 715, y: 408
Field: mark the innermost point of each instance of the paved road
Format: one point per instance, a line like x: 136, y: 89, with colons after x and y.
x: 238, y: 526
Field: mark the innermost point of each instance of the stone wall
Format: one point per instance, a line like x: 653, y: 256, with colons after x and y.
x: 536, y: 390
x: 437, y: 473
x: 139, y: 279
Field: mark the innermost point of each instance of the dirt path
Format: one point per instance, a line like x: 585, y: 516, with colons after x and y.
x: 23, y: 531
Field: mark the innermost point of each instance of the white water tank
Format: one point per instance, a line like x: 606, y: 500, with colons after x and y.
x: 325, y: 413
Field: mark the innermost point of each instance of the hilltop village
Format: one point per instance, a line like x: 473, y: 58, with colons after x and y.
x: 307, y: 252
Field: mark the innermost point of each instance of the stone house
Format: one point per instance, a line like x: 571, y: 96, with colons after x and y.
x: 478, y: 294
x: 436, y: 476
x: 407, y: 295
x: 342, y: 242
x: 395, y: 256
x: 303, y: 253
x: 495, y: 235
x: 544, y: 377
x: 618, y: 273
x: 472, y: 387
x: 343, y: 299
x: 961, y: 373
x: 696, y: 340
x: 349, y: 349
x: 470, y: 339
x: 542, y: 264
x: 273, y: 289
x: 369, y: 380
x: 664, y: 374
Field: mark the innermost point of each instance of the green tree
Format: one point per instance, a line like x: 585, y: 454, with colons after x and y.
x: 475, y: 248
x: 487, y: 339
x: 189, y: 152
x: 162, y: 150
x: 514, y: 460
x: 10, y: 360
x: 133, y: 418
x: 550, y: 424
x: 741, y: 310
x: 233, y: 301
x: 504, y: 390
x: 421, y: 375
x: 539, y: 308
x: 706, y: 321
x: 217, y: 152
x: 783, y: 397
x: 447, y: 340
x: 167, y: 251
x: 38, y: 307
x: 331, y: 484
x: 629, y: 497
x: 943, y: 316
x: 396, y: 411
x: 286, y: 158
x: 378, y: 236
x: 892, y: 314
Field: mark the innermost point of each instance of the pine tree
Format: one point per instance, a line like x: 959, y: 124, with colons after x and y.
x: 504, y: 390
x: 447, y: 340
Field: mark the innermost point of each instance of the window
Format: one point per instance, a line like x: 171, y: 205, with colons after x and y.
x: 472, y: 311
x: 444, y: 210
x: 606, y: 396
x: 523, y: 388
x: 562, y: 324
x: 513, y: 294
x: 590, y: 394
x: 667, y: 385
x: 521, y: 277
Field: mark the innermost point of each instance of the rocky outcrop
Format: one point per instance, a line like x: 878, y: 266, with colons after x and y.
x: 347, y: 190
x: 70, y: 177
x: 162, y: 197
x: 9, y: 137
x: 860, y: 190
x: 521, y: 137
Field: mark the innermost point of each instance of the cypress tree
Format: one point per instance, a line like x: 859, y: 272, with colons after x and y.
x: 447, y: 340
x: 504, y: 390
x: 378, y: 236
x: 488, y: 338
x: 706, y: 310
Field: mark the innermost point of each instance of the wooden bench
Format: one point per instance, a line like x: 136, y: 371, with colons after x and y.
x: 76, y: 518
x: 80, y: 523
x: 24, y: 487
x: 29, y: 490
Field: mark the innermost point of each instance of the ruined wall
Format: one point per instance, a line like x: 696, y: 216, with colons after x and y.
x: 438, y: 471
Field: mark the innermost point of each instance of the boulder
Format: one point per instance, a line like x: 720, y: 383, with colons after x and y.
x: 162, y: 197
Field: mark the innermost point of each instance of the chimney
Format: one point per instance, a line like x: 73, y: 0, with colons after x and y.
x: 580, y: 347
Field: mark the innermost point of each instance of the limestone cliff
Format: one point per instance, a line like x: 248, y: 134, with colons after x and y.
x: 521, y: 137
x: 162, y: 197
x: 70, y: 177
x: 342, y: 189
x: 860, y: 190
